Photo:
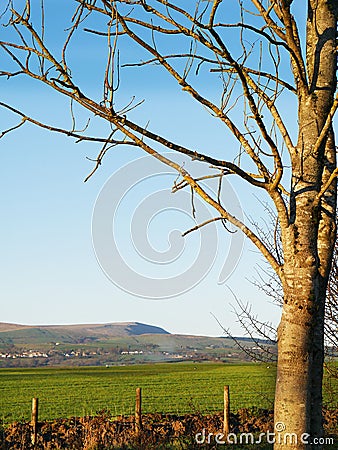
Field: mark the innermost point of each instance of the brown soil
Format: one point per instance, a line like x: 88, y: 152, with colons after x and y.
x: 158, y: 431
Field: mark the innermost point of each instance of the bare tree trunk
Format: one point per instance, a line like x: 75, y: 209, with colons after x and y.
x: 298, y: 401
x: 308, y: 244
x: 298, y: 391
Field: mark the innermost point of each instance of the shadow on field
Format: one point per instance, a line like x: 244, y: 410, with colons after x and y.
x: 159, y: 432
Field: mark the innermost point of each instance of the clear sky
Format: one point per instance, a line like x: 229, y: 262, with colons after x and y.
x: 51, y: 270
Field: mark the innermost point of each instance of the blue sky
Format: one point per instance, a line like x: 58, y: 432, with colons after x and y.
x: 49, y: 270
x: 50, y: 273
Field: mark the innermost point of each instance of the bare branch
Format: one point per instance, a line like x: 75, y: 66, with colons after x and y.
x: 326, y: 186
x: 201, y: 225
x: 79, y: 137
x: 327, y: 125
x: 188, y: 88
x: 277, y: 80
x: 2, y: 134
x: 202, y: 193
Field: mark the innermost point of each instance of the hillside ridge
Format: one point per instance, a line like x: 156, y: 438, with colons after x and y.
x: 94, y: 331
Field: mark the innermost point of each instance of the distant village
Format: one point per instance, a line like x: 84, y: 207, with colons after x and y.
x: 27, y: 354
x: 83, y: 354
x: 102, y: 356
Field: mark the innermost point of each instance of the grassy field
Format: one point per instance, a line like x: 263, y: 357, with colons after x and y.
x: 166, y: 388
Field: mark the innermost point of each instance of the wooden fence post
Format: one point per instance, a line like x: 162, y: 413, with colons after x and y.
x: 226, y: 423
x: 35, y: 418
x: 138, y: 411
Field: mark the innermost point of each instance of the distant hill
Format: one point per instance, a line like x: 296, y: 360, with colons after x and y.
x: 115, y: 343
x: 80, y: 333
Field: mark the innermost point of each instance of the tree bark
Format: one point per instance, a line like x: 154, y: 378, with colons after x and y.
x: 308, y: 245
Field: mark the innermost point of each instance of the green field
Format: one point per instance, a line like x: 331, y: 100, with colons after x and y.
x: 166, y: 388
